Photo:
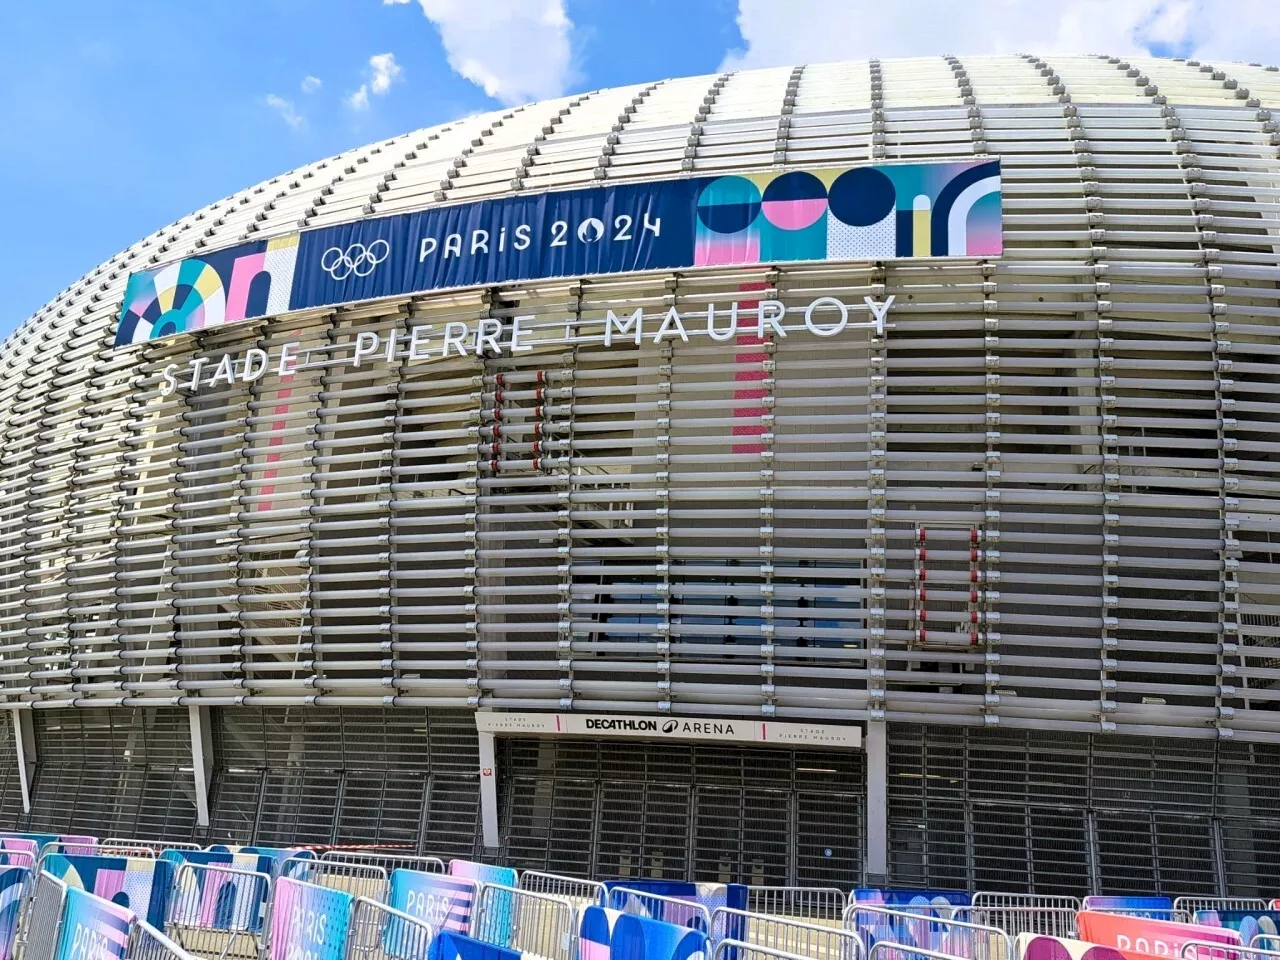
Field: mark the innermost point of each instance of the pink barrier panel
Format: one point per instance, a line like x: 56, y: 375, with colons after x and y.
x: 1139, y: 935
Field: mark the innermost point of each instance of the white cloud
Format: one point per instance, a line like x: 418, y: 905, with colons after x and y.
x: 385, y: 71
x: 360, y: 99
x: 311, y: 84
x: 286, y: 109
x: 778, y: 32
x: 515, y: 50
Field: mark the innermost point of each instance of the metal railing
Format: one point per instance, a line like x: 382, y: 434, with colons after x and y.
x: 42, y: 919
x: 537, y: 924
x: 683, y: 913
x: 976, y: 941
x: 1189, y: 905
x: 156, y: 846
x: 358, y: 879
x: 887, y: 950
x: 805, y: 903
x: 1216, y: 950
x: 1017, y: 913
x: 581, y: 892
x: 1260, y: 941
x: 218, y: 912
x: 738, y: 950
x: 148, y: 943
x: 388, y: 860
x: 380, y: 932
x: 787, y: 935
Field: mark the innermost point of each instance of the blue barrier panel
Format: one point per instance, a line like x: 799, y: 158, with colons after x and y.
x: 444, y: 902
x: 13, y: 882
x: 140, y: 884
x: 1249, y: 923
x: 456, y: 946
x: 609, y: 935
x: 1152, y: 908
x: 93, y: 928
x: 308, y: 922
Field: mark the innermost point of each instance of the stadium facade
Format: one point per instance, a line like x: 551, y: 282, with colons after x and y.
x: 999, y: 571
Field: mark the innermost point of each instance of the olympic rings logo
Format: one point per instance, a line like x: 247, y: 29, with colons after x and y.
x: 357, y: 259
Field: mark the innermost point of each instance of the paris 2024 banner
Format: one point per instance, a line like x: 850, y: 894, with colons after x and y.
x: 869, y: 213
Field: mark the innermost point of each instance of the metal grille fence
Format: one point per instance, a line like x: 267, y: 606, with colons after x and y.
x: 804, y: 903
x: 217, y: 912
x: 148, y: 943
x: 683, y: 913
x: 155, y: 846
x: 896, y: 951
x: 537, y: 924
x: 379, y: 932
x: 816, y: 941
x: 574, y: 889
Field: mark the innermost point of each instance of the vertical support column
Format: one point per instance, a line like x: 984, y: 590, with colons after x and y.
x: 488, y: 793
x: 877, y: 804
x: 24, y: 737
x: 201, y: 758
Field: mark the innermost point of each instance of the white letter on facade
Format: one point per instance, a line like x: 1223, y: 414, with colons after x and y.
x: 611, y: 320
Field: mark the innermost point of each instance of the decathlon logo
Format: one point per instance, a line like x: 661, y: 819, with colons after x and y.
x: 670, y: 726
x: 357, y: 260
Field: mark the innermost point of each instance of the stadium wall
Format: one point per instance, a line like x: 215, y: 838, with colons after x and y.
x: 1022, y: 537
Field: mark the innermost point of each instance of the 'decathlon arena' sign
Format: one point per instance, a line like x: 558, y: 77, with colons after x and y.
x: 938, y: 209
x: 723, y: 729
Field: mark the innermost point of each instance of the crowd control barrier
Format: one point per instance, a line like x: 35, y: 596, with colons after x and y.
x: 38, y: 927
x: 1214, y: 950
x: 927, y: 932
x: 1019, y: 913
x: 218, y: 912
x: 356, y: 879
x: 1148, y: 908
x: 140, y: 884
x: 380, y: 932
x: 888, y: 950
x: 1189, y: 906
x: 822, y: 904
x: 17, y: 852
x: 306, y: 920
x: 1035, y: 946
x: 785, y: 935
x: 737, y: 950
x: 14, y: 883
x: 444, y: 902
x: 582, y: 893
x: 537, y: 925
x: 148, y: 943
x: 388, y: 860
x: 155, y: 846
x: 606, y: 934
x: 673, y: 910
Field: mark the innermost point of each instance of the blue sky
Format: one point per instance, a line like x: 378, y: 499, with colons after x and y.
x: 119, y: 116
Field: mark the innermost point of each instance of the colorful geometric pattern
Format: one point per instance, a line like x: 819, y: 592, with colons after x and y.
x: 93, y: 927
x: 611, y: 935
x: 139, y: 883
x: 222, y: 287
x: 932, y: 209
x: 898, y: 210
x: 457, y: 946
x: 1033, y: 946
x: 308, y: 921
x: 13, y: 881
x: 1248, y: 923
x: 444, y: 902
